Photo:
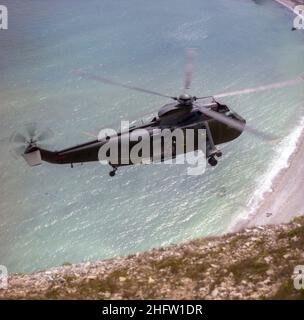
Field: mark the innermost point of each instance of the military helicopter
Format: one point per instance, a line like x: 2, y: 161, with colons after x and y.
x: 222, y: 125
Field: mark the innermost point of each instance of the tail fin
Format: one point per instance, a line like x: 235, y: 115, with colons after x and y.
x: 33, y: 158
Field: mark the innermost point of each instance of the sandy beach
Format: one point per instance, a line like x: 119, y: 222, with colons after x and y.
x: 286, y: 198
x: 290, y: 4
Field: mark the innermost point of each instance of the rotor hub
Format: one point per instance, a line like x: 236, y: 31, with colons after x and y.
x: 185, y: 99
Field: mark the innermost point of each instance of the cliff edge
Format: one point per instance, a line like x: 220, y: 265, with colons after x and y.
x: 256, y: 263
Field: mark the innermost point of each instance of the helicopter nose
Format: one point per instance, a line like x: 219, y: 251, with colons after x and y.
x: 238, y: 117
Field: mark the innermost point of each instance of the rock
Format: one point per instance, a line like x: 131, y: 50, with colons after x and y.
x: 214, y: 293
x: 151, y: 280
x: 200, y: 269
x: 268, y: 259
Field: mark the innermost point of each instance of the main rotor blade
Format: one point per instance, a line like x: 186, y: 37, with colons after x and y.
x: 117, y: 84
x: 190, y: 56
x: 238, y: 125
x: 90, y: 134
x: 276, y: 85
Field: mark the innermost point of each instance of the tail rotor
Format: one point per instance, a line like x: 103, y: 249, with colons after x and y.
x: 25, y: 139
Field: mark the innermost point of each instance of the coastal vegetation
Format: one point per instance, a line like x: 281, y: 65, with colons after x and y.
x: 256, y: 263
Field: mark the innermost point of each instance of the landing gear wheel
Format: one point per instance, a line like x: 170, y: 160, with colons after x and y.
x: 219, y: 154
x: 113, y: 172
x: 212, y: 161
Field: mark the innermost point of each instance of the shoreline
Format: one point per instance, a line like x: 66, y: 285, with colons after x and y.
x: 283, y: 201
x: 290, y: 4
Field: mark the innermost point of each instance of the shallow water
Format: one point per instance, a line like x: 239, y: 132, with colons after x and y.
x: 53, y: 214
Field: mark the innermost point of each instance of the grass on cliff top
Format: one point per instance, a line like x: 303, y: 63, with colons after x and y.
x: 153, y: 277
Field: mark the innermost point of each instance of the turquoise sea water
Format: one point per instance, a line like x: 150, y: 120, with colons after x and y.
x: 53, y: 214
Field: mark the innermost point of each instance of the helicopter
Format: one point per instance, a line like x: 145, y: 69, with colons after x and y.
x: 185, y: 111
